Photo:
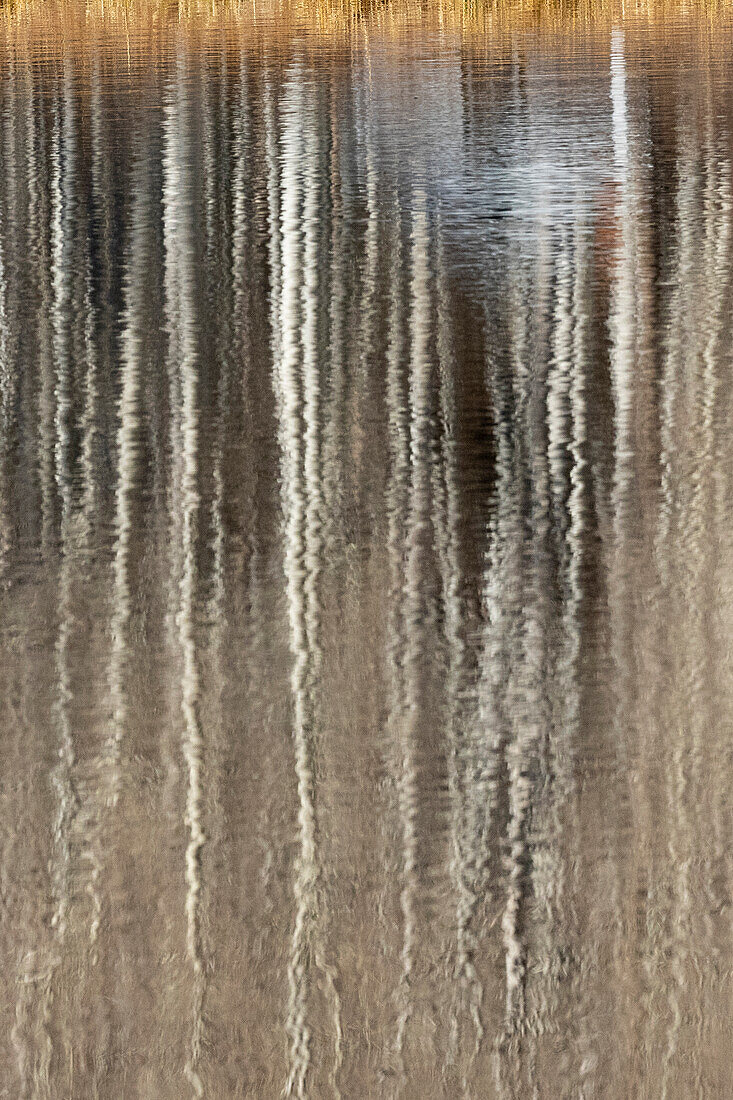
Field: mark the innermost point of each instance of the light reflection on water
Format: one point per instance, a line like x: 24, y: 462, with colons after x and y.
x: 365, y: 564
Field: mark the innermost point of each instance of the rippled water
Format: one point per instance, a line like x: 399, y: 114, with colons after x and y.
x: 366, y: 559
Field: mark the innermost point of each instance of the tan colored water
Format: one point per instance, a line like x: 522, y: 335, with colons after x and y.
x: 366, y: 559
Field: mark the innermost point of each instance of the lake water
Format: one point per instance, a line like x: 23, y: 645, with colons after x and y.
x: 366, y: 554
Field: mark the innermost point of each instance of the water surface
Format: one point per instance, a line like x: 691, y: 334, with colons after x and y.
x: 366, y: 561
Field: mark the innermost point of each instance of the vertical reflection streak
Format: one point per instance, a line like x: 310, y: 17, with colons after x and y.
x: 312, y: 485
x: 398, y: 440
x: 522, y: 702
x: 46, y: 400
x: 128, y: 422
x: 61, y: 246
x: 622, y: 354
x: 90, y: 429
x: 239, y: 211
x: 104, y: 816
x: 461, y: 762
x: 273, y: 220
x: 289, y: 393
x: 671, y: 562
x: 577, y: 509
x: 698, y: 547
x: 415, y: 610
x: 33, y: 986
x: 334, y: 396
x: 622, y: 319
x: 179, y: 199
x: 63, y: 773
x: 502, y: 595
x: 299, y: 400
x: 551, y: 794
x: 397, y: 501
x: 8, y: 215
x: 222, y: 252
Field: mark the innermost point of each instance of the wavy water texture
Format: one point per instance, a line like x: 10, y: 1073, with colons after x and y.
x: 365, y: 555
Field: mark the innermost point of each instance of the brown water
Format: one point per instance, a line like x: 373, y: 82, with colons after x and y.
x: 366, y: 557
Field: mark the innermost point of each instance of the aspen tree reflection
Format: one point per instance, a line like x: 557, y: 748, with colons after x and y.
x: 365, y: 562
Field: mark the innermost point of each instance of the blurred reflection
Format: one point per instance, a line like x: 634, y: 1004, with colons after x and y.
x: 365, y: 568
